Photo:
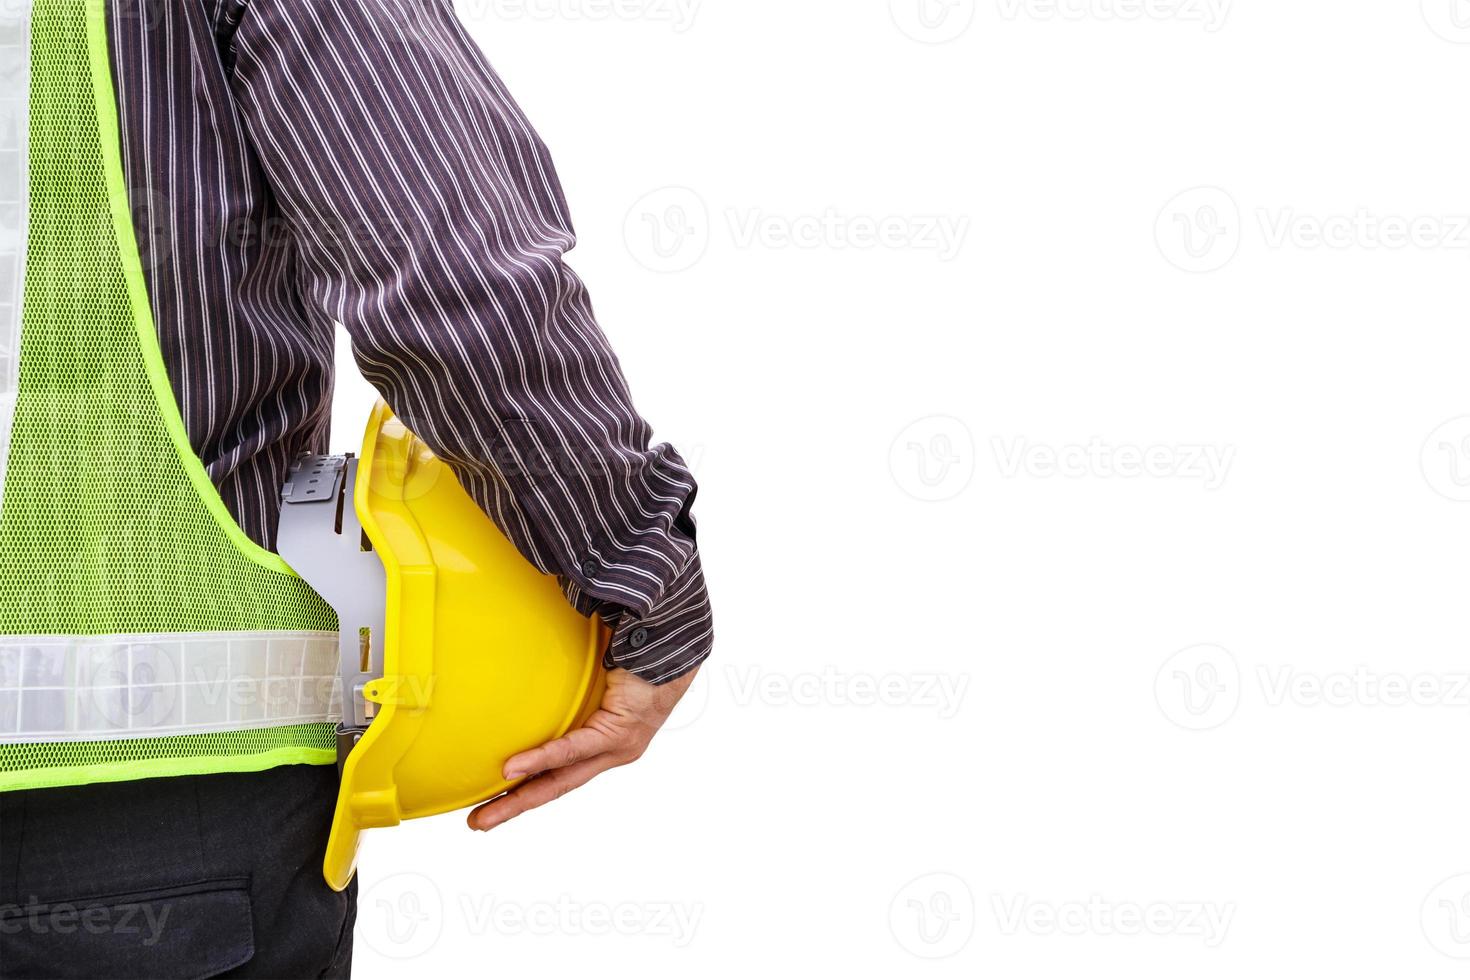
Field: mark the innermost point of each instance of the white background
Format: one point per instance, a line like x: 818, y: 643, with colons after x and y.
x: 1090, y: 578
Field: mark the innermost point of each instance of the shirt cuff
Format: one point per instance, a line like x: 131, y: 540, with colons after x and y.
x: 675, y: 637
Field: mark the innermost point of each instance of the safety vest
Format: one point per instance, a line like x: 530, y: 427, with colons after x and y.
x: 141, y: 632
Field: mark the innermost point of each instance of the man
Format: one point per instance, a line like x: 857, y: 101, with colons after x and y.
x: 284, y: 166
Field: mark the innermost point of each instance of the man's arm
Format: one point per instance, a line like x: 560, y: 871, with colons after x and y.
x: 429, y: 222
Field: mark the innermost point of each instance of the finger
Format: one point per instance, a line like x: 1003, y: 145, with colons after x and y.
x: 538, y: 792
x: 571, y: 748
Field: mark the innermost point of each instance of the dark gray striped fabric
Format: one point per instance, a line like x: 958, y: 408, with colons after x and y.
x: 300, y: 163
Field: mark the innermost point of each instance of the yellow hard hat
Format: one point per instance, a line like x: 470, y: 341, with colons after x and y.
x: 457, y: 652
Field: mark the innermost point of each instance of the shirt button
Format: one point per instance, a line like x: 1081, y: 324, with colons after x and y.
x: 590, y: 568
x: 638, y: 638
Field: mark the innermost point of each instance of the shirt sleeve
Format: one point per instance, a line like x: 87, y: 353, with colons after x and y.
x: 426, y: 218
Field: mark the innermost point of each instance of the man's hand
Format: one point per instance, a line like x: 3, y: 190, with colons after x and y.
x: 632, y: 712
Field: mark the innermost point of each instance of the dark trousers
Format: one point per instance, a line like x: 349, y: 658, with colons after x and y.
x: 195, y: 876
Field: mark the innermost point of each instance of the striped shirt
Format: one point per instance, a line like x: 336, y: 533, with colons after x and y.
x: 299, y: 164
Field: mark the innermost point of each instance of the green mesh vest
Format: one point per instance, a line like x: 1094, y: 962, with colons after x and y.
x: 141, y: 632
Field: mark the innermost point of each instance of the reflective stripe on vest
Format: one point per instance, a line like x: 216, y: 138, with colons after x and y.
x: 142, y: 633
x: 60, y: 688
